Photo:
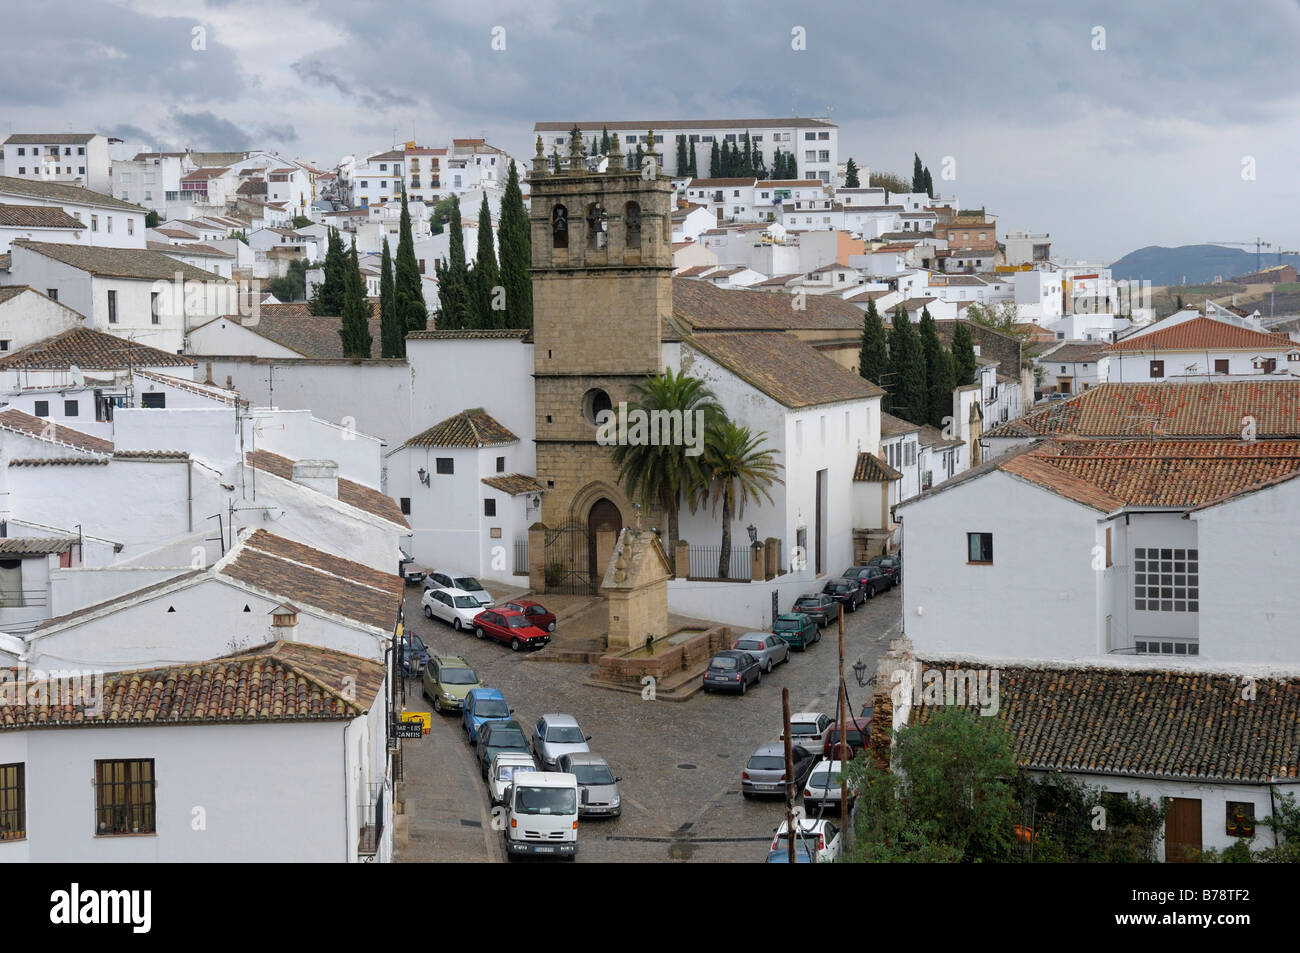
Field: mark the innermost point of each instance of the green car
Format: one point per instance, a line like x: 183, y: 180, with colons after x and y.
x: 798, y: 630
x: 446, y: 681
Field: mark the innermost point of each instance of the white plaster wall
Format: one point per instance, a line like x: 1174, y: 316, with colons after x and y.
x: 448, y: 376
x: 228, y: 337
x: 299, y: 435
x: 207, y: 431
x: 78, y: 587
x: 30, y: 317
x: 748, y: 606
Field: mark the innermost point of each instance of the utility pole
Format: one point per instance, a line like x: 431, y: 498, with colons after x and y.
x: 790, y: 830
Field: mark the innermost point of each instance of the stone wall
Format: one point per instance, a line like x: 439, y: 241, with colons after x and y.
x: 689, y: 654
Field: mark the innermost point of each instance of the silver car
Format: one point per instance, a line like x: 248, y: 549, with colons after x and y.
x: 764, y: 772
x: 555, y: 736
x: 766, y: 647
x: 598, y: 794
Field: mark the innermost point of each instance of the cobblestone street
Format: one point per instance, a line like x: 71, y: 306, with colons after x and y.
x: 680, y: 762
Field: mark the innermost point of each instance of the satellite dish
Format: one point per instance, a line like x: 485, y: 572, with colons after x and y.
x: 78, y: 379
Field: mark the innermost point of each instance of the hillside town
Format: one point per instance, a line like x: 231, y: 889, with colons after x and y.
x: 473, y: 479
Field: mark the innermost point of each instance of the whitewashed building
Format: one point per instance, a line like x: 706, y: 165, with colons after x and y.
x: 107, y: 222
x: 75, y: 158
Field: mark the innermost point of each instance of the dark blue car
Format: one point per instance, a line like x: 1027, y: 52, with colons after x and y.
x: 482, y: 704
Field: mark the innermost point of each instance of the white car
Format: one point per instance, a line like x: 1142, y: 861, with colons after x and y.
x: 452, y: 606
x: 442, y: 579
x: 507, y: 765
x: 822, y: 836
x: 823, y: 788
x: 808, y: 730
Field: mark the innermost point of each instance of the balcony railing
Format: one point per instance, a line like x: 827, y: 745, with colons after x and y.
x: 371, y: 820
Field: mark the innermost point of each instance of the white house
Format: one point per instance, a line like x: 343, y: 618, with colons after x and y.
x: 106, y: 221
x: 1073, y: 366
x: 1200, y: 346
x: 42, y: 223
x: 153, y: 180
x: 28, y: 315
x: 74, y: 158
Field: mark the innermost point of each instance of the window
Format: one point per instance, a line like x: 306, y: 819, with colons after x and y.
x: 632, y: 223
x: 112, y: 307
x: 810, y: 155
x: 824, y: 155
x: 489, y: 507
x: 823, y: 135
x: 71, y: 408
x: 52, y: 294
x: 13, y: 806
x: 81, y: 170
x: 1166, y: 580
x: 126, y: 178
x: 1240, y: 822
x: 405, y: 503
x: 4, y: 344
x: 1109, y: 563
x: 501, y: 464
x: 42, y: 408
x: 810, y: 136
x: 22, y: 170
x: 81, y: 150
x: 1157, y: 368
x: 22, y: 151
x: 124, y: 797
x: 1173, y: 647
x: 157, y: 401
x: 979, y: 548
x: 110, y: 224
x: 560, y: 227
x: 444, y: 465
x: 153, y: 307
x: 130, y: 224
x: 94, y: 223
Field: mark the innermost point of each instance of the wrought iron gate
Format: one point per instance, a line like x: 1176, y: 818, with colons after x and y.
x: 568, y: 567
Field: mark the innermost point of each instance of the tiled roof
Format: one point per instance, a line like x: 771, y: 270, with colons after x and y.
x: 514, y: 483
x: 35, y: 545
x: 871, y: 469
x: 350, y: 492
x: 211, y: 391
x: 278, y: 683
x: 309, y: 577
x: 784, y: 368
x: 933, y: 437
x: 141, y: 263
x: 16, y: 421
x: 469, y: 334
x: 37, y: 216
x: 50, y: 138
x: 695, y: 271
x: 469, y: 428
x: 1071, y: 352
x: 90, y: 350
x: 295, y: 327
x: 721, y: 183
x: 189, y: 248
x: 1208, y: 410
x: 1179, y: 724
x: 1199, y: 334
x: 62, y: 192
x: 891, y: 426
x: 704, y: 307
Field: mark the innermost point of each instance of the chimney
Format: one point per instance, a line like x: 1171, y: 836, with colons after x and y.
x: 320, y: 475
x: 284, y: 622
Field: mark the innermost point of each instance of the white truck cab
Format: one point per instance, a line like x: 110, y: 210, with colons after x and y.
x: 542, y: 815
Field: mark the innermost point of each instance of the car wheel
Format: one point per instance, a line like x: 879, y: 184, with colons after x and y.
x: 758, y: 679
x: 424, y: 691
x: 478, y: 632
x: 514, y: 644
x: 428, y: 613
x: 550, y: 627
x: 769, y: 666
x: 437, y: 703
x: 747, y: 794
x: 744, y: 686
x: 456, y: 625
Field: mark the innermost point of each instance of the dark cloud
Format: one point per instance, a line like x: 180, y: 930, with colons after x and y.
x: 204, y: 130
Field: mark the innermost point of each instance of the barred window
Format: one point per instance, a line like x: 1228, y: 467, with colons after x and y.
x: 13, y: 802
x: 124, y: 797
x: 1166, y: 580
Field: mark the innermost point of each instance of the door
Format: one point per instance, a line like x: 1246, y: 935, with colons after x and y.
x: 603, y: 514
x: 1182, y: 829
x: 820, y: 541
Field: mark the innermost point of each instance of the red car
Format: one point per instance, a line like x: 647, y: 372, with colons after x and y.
x: 536, y: 613
x: 511, y: 627
x: 858, y: 735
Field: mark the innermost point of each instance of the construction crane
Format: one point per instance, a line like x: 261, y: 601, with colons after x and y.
x: 1258, y: 243
x: 1281, y: 252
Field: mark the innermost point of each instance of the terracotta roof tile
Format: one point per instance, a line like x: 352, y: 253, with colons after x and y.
x: 17, y: 421
x: 1199, y: 334
x: 514, y: 483
x: 704, y: 307
x: 36, y: 545
x: 89, y: 349
x: 138, y: 263
x: 469, y: 428
x: 871, y: 469
x: 62, y: 192
x: 891, y: 426
x: 353, y: 494
x: 37, y: 216
x: 784, y: 368
x: 295, y: 327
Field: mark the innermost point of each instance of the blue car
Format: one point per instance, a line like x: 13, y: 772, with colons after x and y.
x: 482, y: 704
x: 802, y: 855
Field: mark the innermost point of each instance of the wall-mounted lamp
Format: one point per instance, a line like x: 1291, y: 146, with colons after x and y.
x: 753, y: 534
x: 424, y: 476
x: 860, y: 673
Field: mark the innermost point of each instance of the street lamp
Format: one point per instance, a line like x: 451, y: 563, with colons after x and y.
x: 860, y: 673
x: 753, y: 534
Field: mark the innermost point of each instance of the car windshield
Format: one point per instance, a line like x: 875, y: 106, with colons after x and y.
x: 458, y: 676
x: 750, y: 645
x: 507, y: 738
x: 803, y: 728
x: 805, y: 841
x: 824, y: 779
x: 766, y: 762
x: 519, y: 622
x: 855, y: 737
x: 466, y: 602
x: 593, y: 773
x: 851, y: 572
x: 565, y: 735
x: 507, y: 771
x: 724, y: 663
x: 787, y: 625
x: 415, y: 644
x: 808, y: 602
x: 468, y: 584
x: 492, y: 708
x: 546, y: 800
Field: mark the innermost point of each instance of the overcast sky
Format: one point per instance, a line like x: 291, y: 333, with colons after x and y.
x: 1142, y: 142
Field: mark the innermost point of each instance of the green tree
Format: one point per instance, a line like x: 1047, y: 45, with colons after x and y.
x: 605, y: 143
x: 152, y: 219
x: 927, y: 182
x: 486, y: 276
x: 963, y: 355
x: 1058, y: 821
x: 453, y: 279
x: 938, y: 372
x: 908, y: 397
x: 918, y: 174
x: 747, y: 157
x: 851, y: 174
x: 442, y: 214
x: 515, y: 242
x: 327, y: 298
x: 715, y: 161
x: 683, y: 162
x: 664, y: 474
x: 760, y: 165
x: 301, y: 221
x: 891, y: 183
x: 739, y: 468
x: 408, y: 288
x: 392, y: 329
x: 355, y: 326
x: 873, y: 355
x: 695, y: 169
x: 293, y: 285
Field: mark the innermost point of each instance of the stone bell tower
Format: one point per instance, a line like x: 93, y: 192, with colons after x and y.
x: 602, y: 287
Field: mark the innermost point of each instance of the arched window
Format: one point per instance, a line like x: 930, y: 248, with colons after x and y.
x: 560, y: 227
x: 593, y: 402
x: 632, y: 217
x: 597, y: 237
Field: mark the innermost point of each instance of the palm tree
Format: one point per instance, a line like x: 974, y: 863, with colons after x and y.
x: 738, y: 468
x: 662, y: 473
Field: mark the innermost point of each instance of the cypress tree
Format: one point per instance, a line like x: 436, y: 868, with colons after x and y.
x: 683, y: 163
x: 453, y: 279
x: 963, y: 355
x: 918, y: 174
x: 408, y: 288
x: 486, y: 276
x: 736, y: 169
x: 715, y: 162
x: 392, y: 329
x: 605, y: 144
x: 640, y: 156
x: 355, y: 326
x: 695, y: 169
x: 760, y: 167
x: 595, y: 146
x: 938, y: 372
x: 908, y: 397
x: 747, y: 157
x: 873, y: 356
x: 328, y: 296
x: 515, y: 243
x: 928, y: 182
x: 851, y: 175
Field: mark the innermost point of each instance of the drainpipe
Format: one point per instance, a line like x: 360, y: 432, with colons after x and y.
x: 347, y: 782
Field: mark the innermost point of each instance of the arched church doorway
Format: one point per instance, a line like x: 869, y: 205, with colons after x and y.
x: 604, y: 515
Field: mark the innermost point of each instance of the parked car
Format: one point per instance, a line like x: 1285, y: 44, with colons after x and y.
x: 452, y: 606
x: 415, y: 656
x: 846, y: 592
x: 542, y: 816
x: 764, y: 772
x: 798, y: 630
x: 555, y: 736
x: 506, y: 766
x: 494, y: 737
x: 820, y: 606
x: 803, y: 854
x: 892, y: 566
x: 481, y: 705
x: 598, y: 794
x: 824, y: 786
x: 872, y: 579
x: 511, y: 627
x: 732, y: 671
x: 413, y: 577
x: 536, y: 613
x: 442, y: 579
x: 821, y: 836
x: 764, y: 646
x: 808, y: 728
x: 446, y: 681
x: 855, y: 739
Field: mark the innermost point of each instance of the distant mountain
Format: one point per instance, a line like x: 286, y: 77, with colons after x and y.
x: 1191, y: 264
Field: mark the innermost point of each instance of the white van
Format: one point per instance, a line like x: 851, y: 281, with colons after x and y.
x: 542, y: 815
